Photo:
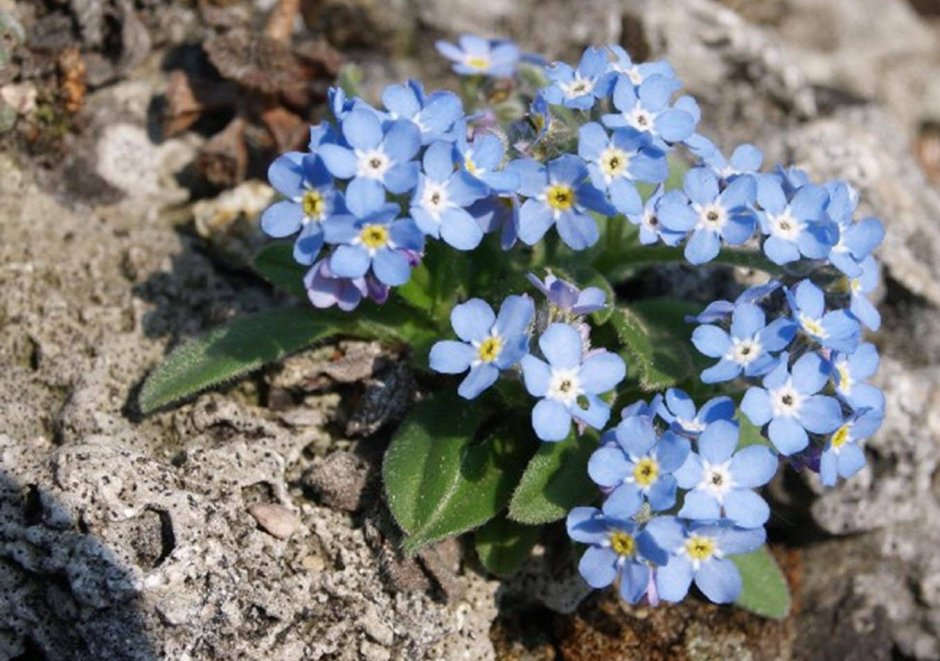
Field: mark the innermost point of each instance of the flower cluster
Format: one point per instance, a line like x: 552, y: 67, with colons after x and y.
x: 565, y: 374
x: 679, y: 483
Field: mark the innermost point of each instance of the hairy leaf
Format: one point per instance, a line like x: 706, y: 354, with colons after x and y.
x: 275, y: 262
x: 765, y: 590
x: 226, y: 353
x: 555, y: 480
x: 439, y: 482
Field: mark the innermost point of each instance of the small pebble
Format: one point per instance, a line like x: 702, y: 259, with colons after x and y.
x: 275, y: 519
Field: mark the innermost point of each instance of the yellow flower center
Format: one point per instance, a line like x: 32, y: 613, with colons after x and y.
x: 812, y: 326
x: 470, y: 165
x: 489, y: 349
x: 646, y: 471
x: 845, y: 379
x: 700, y: 548
x: 560, y: 197
x: 314, y: 204
x: 623, y: 543
x: 842, y: 435
x: 374, y: 236
x: 856, y: 285
x: 478, y: 62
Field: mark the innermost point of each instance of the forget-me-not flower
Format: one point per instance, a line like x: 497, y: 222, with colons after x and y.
x: 711, y: 214
x: 373, y: 237
x: 434, y: 114
x: 836, y: 329
x: 617, y: 160
x: 477, y: 56
x: 843, y: 456
x: 569, y: 384
x: 482, y: 157
x: 857, y: 239
x: 720, y: 481
x: 324, y: 289
x: 568, y: 298
x: 377, y: 157
x: 490, y: 343
x: 646, y: 108
x: 788, y: 401
x: 617, y: 548
x: 559, y: 194
x: 636, y: 72
x: 749, y: 347
x: 440, y: 202
x: 638, y: 465
x: 649, y: 224
x: 698, y: 552
x: 796, y: 225
x: 311, y: 199
x: 859, y: 288
x: 579, y: 88
x: 851, y: 371
x: 678, y: 409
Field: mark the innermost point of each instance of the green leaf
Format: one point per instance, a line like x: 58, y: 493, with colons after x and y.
x: 226, y: 353
x: 275, y: 262
x: 503, y: 545
x: 439, y: 482
x: 764, y: 587
x: 555, y: 481
x: 657, y: 341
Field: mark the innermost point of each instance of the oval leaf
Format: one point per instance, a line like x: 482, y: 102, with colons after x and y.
x: 764, y: 587
x: 555, y: 481
x: 275, y: 262
x: 503, y: 545
x: 226, y: 353
x: 438, y: 481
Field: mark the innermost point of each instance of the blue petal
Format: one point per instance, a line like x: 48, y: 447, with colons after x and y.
x: 362, y: 129
x: 401, y: 177
x: 719, y: 580
x: 662, y: 494
x: 672, y: 451
x: 460, y: 230
x: 634, y: 581
x: 780, y: 251
x: 451, y: 357
x: 438, y: 161
x: 746, y: 320
x: 723, y: 370
x: 401, y: 100
x: 567, y: 169
x: 718, y: 441
x: 587, y: 525
x: 561, y: 345
x: 364, y: 196
x: 349, y: 261
x: 402, y: 141
x: 746, y: 509
x: 701, y: 185
x: 623, y: 502
x: 808, y: 202
x: 608, y: 466
x: 473, y: 320
x: 756, y: 406
x: 673, y: 580
x: 810, y: 373
x: 702, y: 247
x: 308, y: 244
x: 515, y: 315
x: 391, y: 267
x: 598, y: 567
x: 282, y: 219
x: 711, y: 341
x: 537, y: 375
x: 625, y: 197
x: 689, y: 473
x: 700, y: 506
x: 534, y: 220
x: 479, y: 379
x: 286, y: 174
x: 821, y: 414
x: 550, y: 420
x: 674, y: 125
x: 787, y: 435
x: 636, y: 436
x: 340, y: 161
x: 592, y: 140
x: 753, y: 466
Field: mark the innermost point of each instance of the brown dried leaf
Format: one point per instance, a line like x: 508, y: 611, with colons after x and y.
x: 223, y: 160
x: 255, y: 61
x: 288, y: 130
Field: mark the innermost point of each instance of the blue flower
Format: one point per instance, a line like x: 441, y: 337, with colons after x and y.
x: 440, y: 201
x: 788, y: 401
x: 859, y: 288
x: 618, y: 548
x: 843, y: 456
x: 434, y: 115
x: 721, y: 310
x: 748, y: 348
x: 836, y: 329
x: 712, y: 214
x: 699, y: 552
x: 311, y: 199
x: 481, y: 159
x: 377, y: 157
x: 651, y: 228
x: 490, y: 343
x: 639, y: 408
x: 540, y: 116
x: 373, y: 237
x: 720, y: 481
x: 616, y: 161
x: 579, y: 88
x: 678, y: 410
x: 478, y: 56
x: 569, y: 384
x: 646, y: 108
x: 745, y: 159
x: 637, y: 73
x: 850, y: 371
x: 559, y: 195
x: 638, y: 465
x: 498, y: 213
x: 568, y: 298
x: 324, y: 289
x: 794, y: 226
x: 856, y: 239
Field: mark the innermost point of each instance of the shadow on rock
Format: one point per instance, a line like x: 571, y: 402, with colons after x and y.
x: 63, y: 594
